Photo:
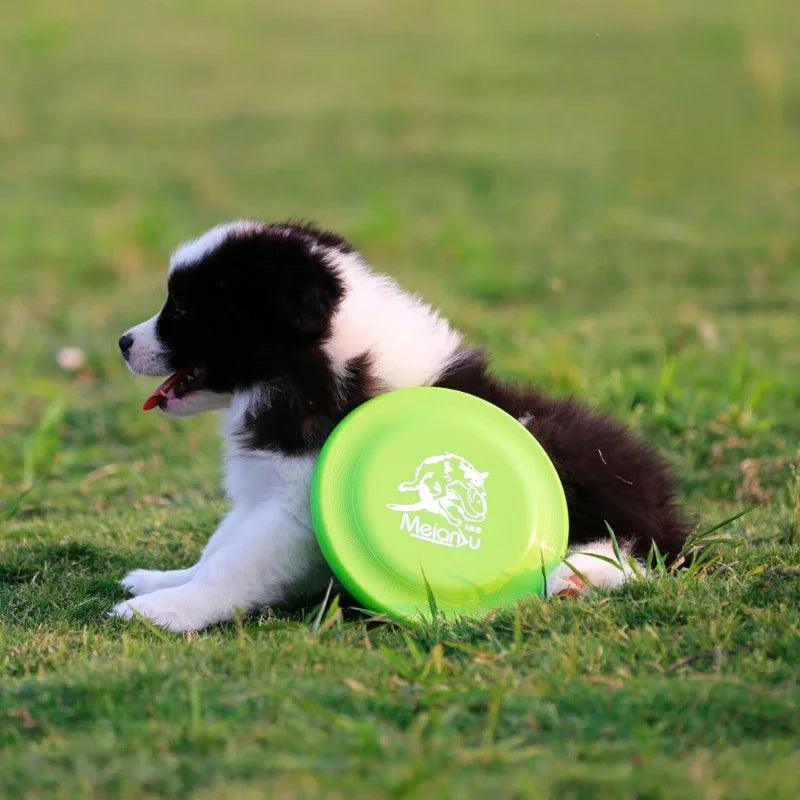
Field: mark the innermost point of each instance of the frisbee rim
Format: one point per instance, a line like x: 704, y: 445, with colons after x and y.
x: 546, y: 476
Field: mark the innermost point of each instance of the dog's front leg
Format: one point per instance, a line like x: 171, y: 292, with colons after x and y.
x: 144, y: 581
x: 257, y: 563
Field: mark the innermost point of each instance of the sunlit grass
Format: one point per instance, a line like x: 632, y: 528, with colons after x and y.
x: 603, y: 196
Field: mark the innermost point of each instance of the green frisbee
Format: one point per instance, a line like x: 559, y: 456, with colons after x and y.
x: 432, y: 488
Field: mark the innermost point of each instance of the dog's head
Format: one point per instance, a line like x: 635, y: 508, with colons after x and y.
x: 246, y: 303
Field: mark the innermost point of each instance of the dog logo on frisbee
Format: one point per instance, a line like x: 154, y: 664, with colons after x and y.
x: 450, y: 487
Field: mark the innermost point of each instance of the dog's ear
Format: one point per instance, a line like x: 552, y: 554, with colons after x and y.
x: 285, y: 271
x: 311, y: 309
x: 308, y: 290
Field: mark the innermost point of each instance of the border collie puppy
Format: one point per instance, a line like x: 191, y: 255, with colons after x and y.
x: 286, y: 329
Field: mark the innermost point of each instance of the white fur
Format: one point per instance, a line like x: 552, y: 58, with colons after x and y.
x: 264, y: 550
x: 195, y: 250
x: 599, y: 573
x: 196, y: 403
x: 409, y: 343
x: 146, y: 354
x: 146, y: 357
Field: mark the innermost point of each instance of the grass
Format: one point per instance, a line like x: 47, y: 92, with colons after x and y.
x: 605, y: 196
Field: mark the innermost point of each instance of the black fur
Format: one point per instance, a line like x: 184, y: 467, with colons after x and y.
x: 301, y: 409
x: 253, y: 309
x: 257, y: 310
x: 609, y: 474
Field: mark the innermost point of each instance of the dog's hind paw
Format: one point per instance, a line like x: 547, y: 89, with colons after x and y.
x: 565, y: 583
x: 598, y: 571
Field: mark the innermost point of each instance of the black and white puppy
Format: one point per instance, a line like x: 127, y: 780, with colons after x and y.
x: 286, y: 329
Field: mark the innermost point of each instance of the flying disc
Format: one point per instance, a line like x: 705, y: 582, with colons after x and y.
x: 431, y: 498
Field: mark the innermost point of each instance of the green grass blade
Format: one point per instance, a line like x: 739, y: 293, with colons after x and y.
x: 11, y: 507
x: 579, y: 574
x: 42, y: 443
x: 322, y: 606
x: 614, y: 544
x: 544, y: 572
x: 601, y: 557
x: 697, y: 538
x: 433, y: 606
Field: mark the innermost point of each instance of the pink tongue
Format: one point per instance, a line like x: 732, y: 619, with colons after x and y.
x: 163, y: 390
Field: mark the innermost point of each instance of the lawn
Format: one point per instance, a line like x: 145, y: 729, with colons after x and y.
x: 605, y: 195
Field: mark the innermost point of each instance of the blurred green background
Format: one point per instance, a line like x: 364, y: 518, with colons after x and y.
x: 605, y: 195
x: 596, y: 194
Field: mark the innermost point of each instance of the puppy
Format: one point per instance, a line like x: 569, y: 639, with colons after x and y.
x: 285, y: 329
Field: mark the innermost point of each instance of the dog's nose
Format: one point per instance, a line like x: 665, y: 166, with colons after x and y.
x: 125, y: 342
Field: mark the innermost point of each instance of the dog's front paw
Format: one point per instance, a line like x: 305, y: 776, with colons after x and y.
x: 144, y: 581
x: 167, y: 608
x: 141, y: 581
